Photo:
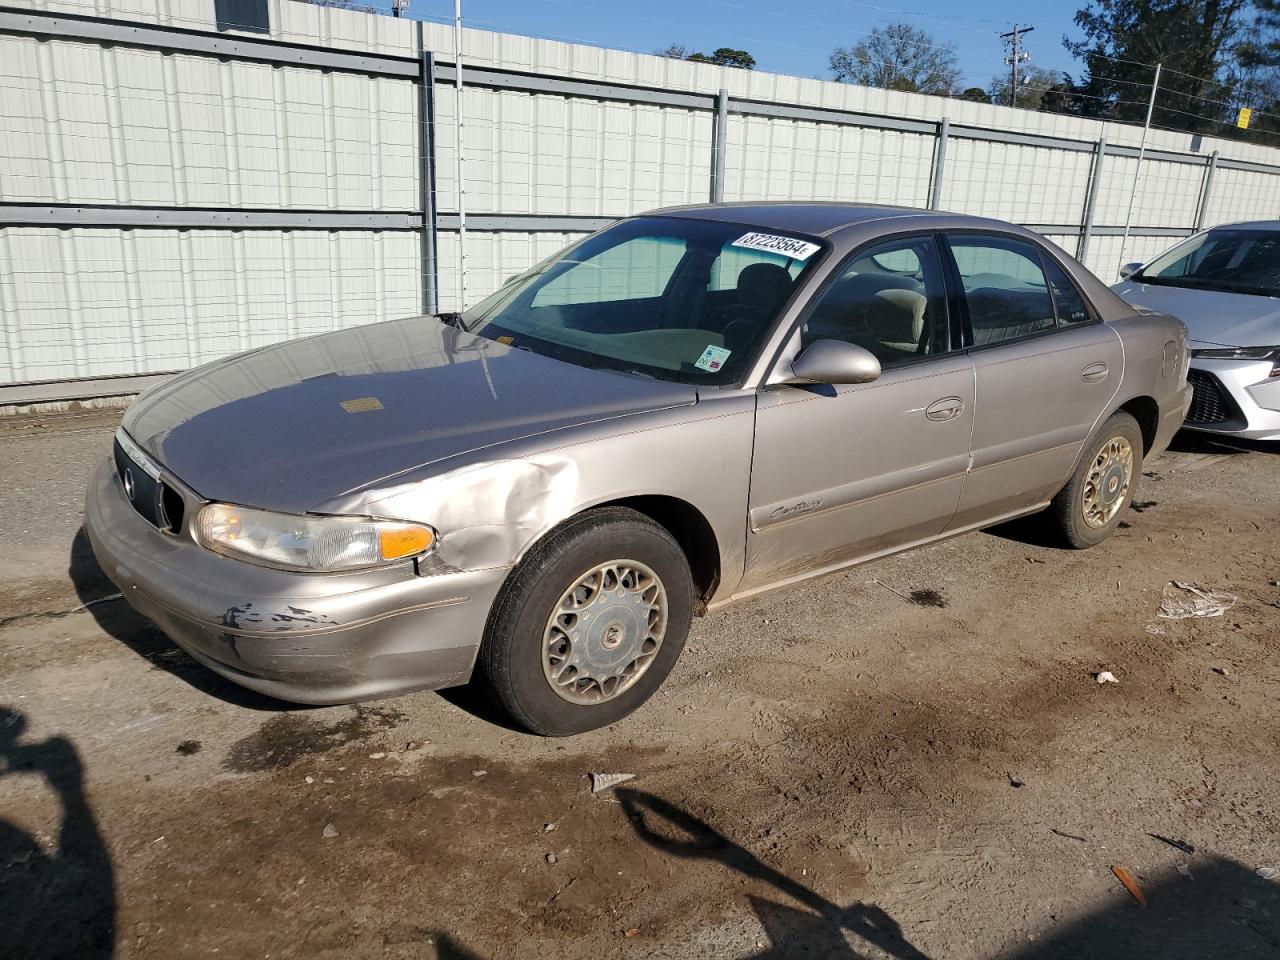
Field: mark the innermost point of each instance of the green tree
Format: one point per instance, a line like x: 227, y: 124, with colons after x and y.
x: 1195, y: 40
x: 722, y: 56
x: 1034, y: 86
x: 899, y: 57
x: 976, y: 94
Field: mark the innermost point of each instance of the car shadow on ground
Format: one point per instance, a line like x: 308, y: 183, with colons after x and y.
x: 144, y: 638
x: 57, y: 901
x: 1193, y: 441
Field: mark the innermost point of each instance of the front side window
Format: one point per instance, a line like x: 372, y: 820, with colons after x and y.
x: 890, y: 299
x: 1004, y: 286
x: 671, y: 298
x: 1236, y: 261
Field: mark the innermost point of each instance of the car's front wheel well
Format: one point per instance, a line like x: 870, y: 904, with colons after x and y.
x: 1147, y: 412
x: 690, y: 529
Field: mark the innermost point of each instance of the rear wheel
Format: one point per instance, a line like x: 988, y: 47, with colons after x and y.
x: 1089, y: 508
x: 589, y: 624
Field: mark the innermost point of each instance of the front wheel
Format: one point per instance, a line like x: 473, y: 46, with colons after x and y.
x: 1089, y: 508
x: 589, y: 624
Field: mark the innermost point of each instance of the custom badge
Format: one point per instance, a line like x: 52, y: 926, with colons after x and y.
x: 712, y: 358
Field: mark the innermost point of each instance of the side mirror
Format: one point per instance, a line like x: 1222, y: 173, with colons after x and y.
x: 1129, y: 269
x: 834, y: 361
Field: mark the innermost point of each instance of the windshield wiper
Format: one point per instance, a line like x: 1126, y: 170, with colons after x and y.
x: 452, y: 320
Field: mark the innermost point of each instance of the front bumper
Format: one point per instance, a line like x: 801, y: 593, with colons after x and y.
x: 307, y: 638
x: 1240, y: 398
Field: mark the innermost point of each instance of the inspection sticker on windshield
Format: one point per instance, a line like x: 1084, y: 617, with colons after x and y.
x: 786, y: 246
x: 712, y: 358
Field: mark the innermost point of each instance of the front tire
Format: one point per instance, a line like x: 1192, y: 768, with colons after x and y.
x: 589, y: 624
x: 1090, y: 507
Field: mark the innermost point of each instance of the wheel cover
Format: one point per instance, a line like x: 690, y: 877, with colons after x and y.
x: 604, y: 632
x: 1108, y: 482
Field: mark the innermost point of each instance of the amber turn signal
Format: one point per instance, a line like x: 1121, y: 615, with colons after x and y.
x: 397, y: 542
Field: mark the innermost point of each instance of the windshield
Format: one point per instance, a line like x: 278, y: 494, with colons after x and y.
x: 684, y: 300
x: 1236, y: 261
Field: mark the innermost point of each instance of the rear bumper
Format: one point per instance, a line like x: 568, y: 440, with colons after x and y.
x: 307, y: 638
x: 1172, y: 416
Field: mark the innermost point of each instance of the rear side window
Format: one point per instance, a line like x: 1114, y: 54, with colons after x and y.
x: 1005, y: 288
x: 1072, y: 309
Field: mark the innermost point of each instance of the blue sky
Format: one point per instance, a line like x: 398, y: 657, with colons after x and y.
x: 794, y: 38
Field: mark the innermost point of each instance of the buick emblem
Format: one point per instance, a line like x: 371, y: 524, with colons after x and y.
x: 128, y: 483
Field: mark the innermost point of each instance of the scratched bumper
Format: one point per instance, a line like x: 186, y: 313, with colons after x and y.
x: 307, y: 638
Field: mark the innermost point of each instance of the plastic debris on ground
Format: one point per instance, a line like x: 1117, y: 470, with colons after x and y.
x: 1105, y: 676
x: 329, y: 831
x: 1130, y: 884
x: 1182, y: 601
x: 603, y: 781
x: 1268, y: 873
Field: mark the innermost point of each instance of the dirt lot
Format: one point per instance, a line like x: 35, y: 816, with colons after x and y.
x: 832, y: 771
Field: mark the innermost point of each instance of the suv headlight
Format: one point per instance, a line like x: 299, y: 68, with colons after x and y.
x: 314, y: 544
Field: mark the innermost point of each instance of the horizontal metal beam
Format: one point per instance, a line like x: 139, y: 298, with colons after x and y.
x: 66, y: 27
x: 848, y: 118
x: 1246, y: 165
x: 527, y: 223
x: 61, y: 215
x: 1144, y: 231
x: 1023, y: 139
x: 1195, y: 159
x: 17, y: 214
x: 531, y: 83
x: 62, y: 391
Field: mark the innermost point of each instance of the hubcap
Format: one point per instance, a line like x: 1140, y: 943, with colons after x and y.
x: 604, y: 632
x: 1107, y: 485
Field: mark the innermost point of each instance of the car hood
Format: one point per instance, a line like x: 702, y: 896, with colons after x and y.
x: 291, y: 426
x: 1211, y: 316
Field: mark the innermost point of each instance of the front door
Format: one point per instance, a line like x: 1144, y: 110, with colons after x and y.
x: 842, y: 473
x: 1046, y: 370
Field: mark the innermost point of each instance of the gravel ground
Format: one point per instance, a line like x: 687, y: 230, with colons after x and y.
x: 911, y: 759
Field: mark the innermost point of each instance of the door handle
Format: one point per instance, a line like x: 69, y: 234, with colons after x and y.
x: 1094, y: 372
x: 947, y: 408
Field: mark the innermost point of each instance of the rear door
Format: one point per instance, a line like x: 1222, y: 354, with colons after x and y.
x: 1046, y: 371
x: 845, y: 472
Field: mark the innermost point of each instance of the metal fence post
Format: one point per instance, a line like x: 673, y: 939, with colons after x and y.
x: 429, y: 262
x: 1203, y: 208
x: 718, y: 135
x: 939, y: 163
x: 1091, y: 200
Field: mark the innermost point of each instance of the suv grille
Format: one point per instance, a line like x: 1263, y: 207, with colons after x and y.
x: 1209, y: 402
x: 159, y: 505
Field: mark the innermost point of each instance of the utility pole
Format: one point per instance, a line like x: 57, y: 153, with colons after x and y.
x: 1013, y: 40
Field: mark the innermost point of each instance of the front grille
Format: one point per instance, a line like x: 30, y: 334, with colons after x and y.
x: 1209, y: 402
x: 158, y: 504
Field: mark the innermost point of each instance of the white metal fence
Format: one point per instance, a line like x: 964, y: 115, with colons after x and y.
x: 170, y: 193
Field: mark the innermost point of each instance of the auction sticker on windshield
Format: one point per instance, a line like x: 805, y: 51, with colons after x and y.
x: 786, y: 246
x: 712, y: 358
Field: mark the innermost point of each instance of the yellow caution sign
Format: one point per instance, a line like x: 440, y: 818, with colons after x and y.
x: 1243, y: 117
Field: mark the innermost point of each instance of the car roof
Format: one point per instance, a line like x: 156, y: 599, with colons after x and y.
x: 820, y: 218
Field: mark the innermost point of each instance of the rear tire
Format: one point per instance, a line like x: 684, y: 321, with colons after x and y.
x: 1090, y: 507
x: 589, y: 624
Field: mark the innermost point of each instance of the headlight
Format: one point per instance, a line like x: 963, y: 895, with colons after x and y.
x: 1239, y: 353
x: 317, y: 544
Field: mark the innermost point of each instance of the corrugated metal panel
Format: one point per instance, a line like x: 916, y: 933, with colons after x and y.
x: 1243, y: 195
x: 82, y: 303
x: 1104, y: 253
x: 1168, y: 193
x: 1012, y: 182
x: 492, y: 258
x: 84, y: 123
x: 775, y: 159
